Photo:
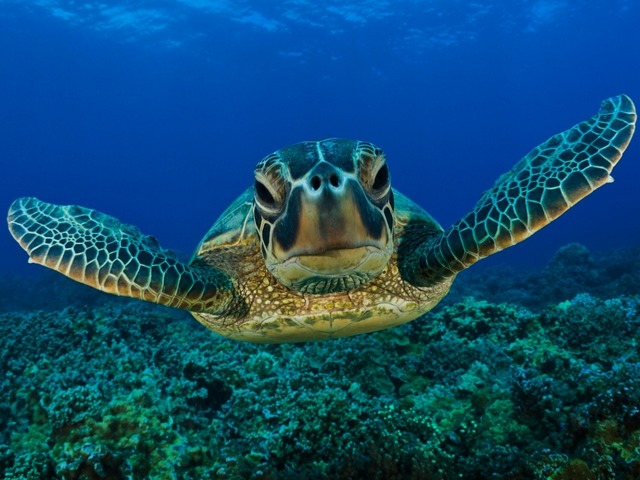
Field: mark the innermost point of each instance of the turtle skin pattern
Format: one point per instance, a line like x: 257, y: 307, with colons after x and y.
x: 542, y: 186
x: 98, y: 250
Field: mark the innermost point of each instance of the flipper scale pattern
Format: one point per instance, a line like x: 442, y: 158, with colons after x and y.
x: 542, y: 186
x: 97, y: 250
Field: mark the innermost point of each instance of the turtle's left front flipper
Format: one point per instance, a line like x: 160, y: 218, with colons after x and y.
x: 97, y: 250
x: 537, y: 190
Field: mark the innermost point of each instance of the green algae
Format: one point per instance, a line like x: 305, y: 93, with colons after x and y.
x: 475, y: 389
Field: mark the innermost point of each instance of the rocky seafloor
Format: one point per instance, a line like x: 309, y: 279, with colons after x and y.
x: 514, y: 376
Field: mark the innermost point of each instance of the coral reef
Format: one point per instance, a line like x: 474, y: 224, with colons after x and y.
x: 572, y: 270
x: 112, y: 389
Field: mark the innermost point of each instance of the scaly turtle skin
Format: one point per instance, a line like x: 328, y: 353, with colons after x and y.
x: 322, y: 246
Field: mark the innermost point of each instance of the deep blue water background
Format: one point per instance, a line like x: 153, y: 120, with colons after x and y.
x: 157, y: 112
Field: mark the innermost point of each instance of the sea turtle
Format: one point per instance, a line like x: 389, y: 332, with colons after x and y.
x: 321, y: 246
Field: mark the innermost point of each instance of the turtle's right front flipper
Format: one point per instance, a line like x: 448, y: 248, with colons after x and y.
x: 97, y: 250
x: 547, y: 182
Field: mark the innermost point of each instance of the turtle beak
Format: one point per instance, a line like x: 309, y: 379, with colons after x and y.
x: 329, y: 212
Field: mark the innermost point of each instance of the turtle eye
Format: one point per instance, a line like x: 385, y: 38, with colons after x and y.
x: 378, y: 183
x: 271, y: 187
x: 264, y: 196
x: 374, y: 173
x: 381, y: 180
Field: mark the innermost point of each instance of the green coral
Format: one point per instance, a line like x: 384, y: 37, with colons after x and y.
x: 473, y: 390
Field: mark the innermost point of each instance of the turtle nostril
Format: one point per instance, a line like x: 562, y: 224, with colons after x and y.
x: 315, y: 182
x: 334, y: 180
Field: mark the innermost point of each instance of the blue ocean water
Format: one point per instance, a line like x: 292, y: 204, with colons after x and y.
x: 157, y: 112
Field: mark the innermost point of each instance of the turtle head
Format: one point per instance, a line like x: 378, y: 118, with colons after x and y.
x: 324, y: 214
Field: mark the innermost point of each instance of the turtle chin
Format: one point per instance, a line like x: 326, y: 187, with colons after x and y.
x: 323, y: 285
x: 331, y: 271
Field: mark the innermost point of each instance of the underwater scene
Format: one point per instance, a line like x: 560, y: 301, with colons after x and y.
x: 162, y: 113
